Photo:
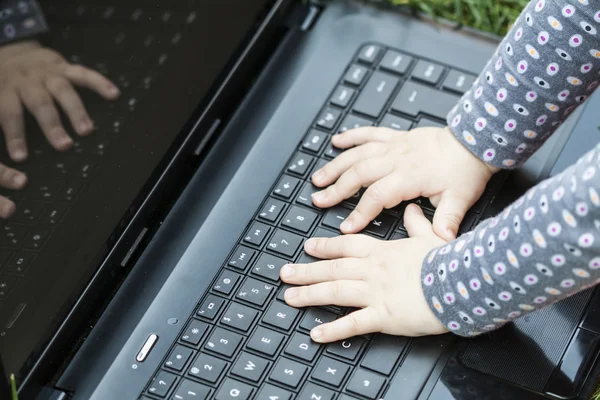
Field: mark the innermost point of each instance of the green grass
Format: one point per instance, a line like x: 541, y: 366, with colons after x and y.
x: 492, y: 16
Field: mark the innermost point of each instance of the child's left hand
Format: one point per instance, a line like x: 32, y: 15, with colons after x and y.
x: 382, y: 278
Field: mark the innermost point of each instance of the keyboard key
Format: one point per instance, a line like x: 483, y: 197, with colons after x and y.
x: 375, y: 94
x: 353, y: 122
x: 250, y: 367
x: 242, y: 256
x: 315, y: 317
x: 271, y: 210
x: 281, y: 294
x: 178, y: 358
x: 394, y: 122
x: 270, y: 392
x: 223, y: 342
x: 324, y: 233
x: 346, y: 397
x: 208, y: 368
x: 239, y: 317
x: 348, y: 349
x: 286, y: 186
x: 257, y: 233
x: 399, y: 235
x: 319, y: 165
x: 36, y: 238
x: 356, y: 75
x: 342, y: 96
x: 5, y: 255
x: 306, y: 259
x: 255, y: 292
x: 265, y: 341
x: 194, y: 332
x: 226, y: 282
x: 288, y: 372
x: 314, y: 141
x: 234, y: 390
x: 312, y: 391
x: 429, y: 123
x: 335, y: 216
x: 19, y: 263
x: 161, y: 384
x: 54, y: 214
x: 28, y: 212
x: 299, y: 219
x: 330, y: 371
x: 414, y: 98
x: 45, y: 192
x: 280, y: 315
x: 70, y: 192
x: 366, y: 384
x: 268, y: 266
x: 7, y: 284
x: 285, y: 243
x: 384, y: 353
x: 428, y: 72
x: 458, y: 82
x: 301, y: 346
x: 210, y: 307
x: 424, y: 203
x: 331, y: 151
x: 381, y: 225
x: 369, y: 53
x: 328, y: 118
x: 395, y: 62
x: 189, y: 390
x: 305, y: 195
x: 300, y: 164
x: 12, y: 235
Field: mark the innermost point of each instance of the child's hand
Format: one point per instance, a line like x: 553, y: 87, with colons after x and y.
x: 382, y: 278
x: 398, y: 166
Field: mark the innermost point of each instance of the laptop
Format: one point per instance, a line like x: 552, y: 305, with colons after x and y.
x: 143, y: 263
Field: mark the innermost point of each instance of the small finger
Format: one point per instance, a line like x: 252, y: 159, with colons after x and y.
x: 361, y: 174
x: 358, y: 136
x: 359, y: 322
x: 13, y: 125
x: 336, y: 167
x: 341, y: 293
x: 40, y: 104
x: 386, y: 193
x: 415, y: 222
x: 356, y: 246
x: 449, y: 214
x: 88, y: 78
x: 7, y: 207
x: 323, y: 271
x: 11, y: 178
x: 71, y: 103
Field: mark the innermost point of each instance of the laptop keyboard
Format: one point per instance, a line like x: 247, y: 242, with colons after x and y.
x: 243, y: 341
x: 57, y: 180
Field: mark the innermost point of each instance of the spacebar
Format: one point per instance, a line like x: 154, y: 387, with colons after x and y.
x: 423, y: 355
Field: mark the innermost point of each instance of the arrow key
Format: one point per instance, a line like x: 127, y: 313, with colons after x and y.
x: 366, y: 384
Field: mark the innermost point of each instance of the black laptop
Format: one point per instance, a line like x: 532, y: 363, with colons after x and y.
x: 143, y: 263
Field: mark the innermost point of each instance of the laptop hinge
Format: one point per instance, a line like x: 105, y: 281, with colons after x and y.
x: 303, y: 17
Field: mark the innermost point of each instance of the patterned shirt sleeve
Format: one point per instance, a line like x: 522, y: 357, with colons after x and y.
x: 544, y: 68
x: 20, y: 19
x: 542, y: 248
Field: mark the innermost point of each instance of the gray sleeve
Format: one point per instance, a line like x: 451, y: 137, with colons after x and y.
x: 20, y: 19
x: 544, y: 68
x: 542, y: 248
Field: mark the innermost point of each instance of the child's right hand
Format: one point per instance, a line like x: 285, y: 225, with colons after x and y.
x: 398, y: 166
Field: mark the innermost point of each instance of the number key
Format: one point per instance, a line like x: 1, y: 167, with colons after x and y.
x: 299, y: 219
x: 223, y: 342
x: 268, y: 266
x: 255, y: 292
x: 208, y: 368
x: 239, y: 316
x: 285, y: 243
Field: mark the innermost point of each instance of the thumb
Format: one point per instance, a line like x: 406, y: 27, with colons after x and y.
x: 449, y: 214
x: 415, y: 222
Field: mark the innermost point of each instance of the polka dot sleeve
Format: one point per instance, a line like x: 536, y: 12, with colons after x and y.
x: 542, y: 248
x: 546, y: 66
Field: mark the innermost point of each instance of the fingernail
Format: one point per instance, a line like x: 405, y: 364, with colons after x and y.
x: 450, y: 232
x: 318, y: 175
x: 19, y: 155
x: 316, y: 333
x: 309, y: 245
x: 347, y: 225
x: 8, y: 210
x: 19, y: 179
x: 286, y: 271
x: 65, y: 141
x: 291, y: 293
x: 113, y: 90
x: 85, y: 125
x: 318, y: 195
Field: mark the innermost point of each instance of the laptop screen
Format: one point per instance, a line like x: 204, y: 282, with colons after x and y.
x: 89, y: 151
